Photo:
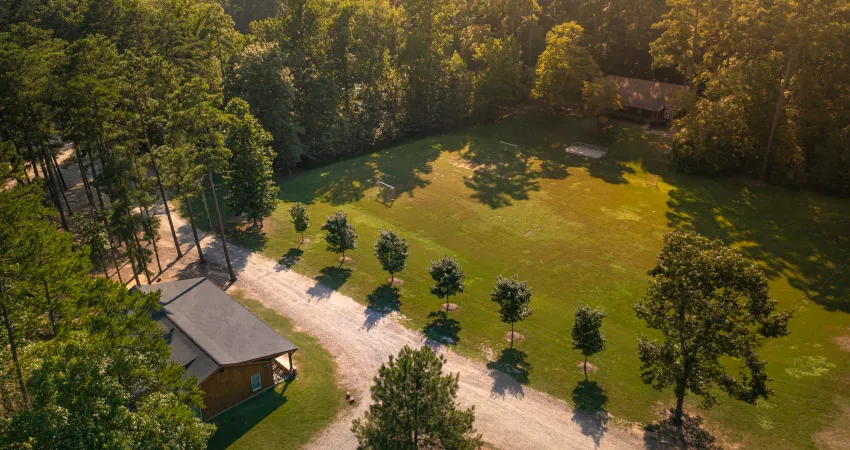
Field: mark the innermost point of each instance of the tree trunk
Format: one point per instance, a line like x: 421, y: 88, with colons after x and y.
x: 207, y: 211
x: 585, y: 367
x: 677, y: 416
x: 59, y: 171
x: 167, y: 210
x: 94, y: 177
x: 34, y: 165
x: 777, y: 113
x: 55, y: 197
x: 50, y: 312
x: 13, y: 346
x: 221, y: 228
x: 112, y: 252
x: 512, y: 335
x: 84, y: 175
x: 195, y: 231
x: 143, y: 265
x: 53, y: 175
x: 152, y: 236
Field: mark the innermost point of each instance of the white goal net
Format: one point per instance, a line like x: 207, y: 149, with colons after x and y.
x: 508, y: 147
x: 386, y: 192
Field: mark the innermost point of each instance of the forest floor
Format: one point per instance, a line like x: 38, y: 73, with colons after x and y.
x: 580, y: 231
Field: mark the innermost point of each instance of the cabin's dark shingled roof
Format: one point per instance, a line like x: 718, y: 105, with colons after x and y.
x: 644, y: 94
x: 207, y: 328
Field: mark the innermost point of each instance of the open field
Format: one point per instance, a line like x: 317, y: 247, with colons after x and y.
x: 292, y: 413
x: 582, y: 231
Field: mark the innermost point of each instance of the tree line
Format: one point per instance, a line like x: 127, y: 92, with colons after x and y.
x: 707, y: 304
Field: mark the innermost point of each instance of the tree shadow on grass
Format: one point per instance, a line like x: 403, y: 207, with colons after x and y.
x: 330, y: 279
x: 382, y: 301
x: 590, y: 413
x: 442, y: 329
x: 509, y: 372
x: 232, y: 424
x: 692, y: 435
x: 290, y: 258
x: 796, y: 235
x: 247, y: 236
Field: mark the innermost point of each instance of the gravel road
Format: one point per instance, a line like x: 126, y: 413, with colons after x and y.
x: 508, y: 414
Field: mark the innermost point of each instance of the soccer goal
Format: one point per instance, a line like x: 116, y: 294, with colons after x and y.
x: 386, y: 193
x: 652, y: 180
x: 508, y: 147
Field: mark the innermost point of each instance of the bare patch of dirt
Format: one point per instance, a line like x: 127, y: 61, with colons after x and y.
x: 843, y: 343
x: 344, y: 260
x: 517, y: 336
x: 590, y: 366
x: 837, y: 434
x: 305, y: 241
x: 450, y: 307
x: 396, y: 283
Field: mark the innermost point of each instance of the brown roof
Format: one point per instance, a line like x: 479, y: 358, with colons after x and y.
x: 645, y: 94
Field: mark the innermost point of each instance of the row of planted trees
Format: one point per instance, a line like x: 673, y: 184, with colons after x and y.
x: 706, y: 302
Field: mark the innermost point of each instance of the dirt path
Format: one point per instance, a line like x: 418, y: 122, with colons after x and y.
x: 508, y: 414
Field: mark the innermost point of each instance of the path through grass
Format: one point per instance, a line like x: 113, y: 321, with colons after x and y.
x: 581, y: 231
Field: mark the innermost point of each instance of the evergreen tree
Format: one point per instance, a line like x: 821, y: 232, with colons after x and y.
x: 391, y: 251
x: 340, y: 235
x: 414, y: 406
x: 448, y: 278
x: 513, y: 297
x: 708, y: 303
x: 251, y: 188
x: 587, y: 333
x: 299, y: 218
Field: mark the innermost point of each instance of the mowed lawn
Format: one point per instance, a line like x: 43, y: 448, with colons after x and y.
x: 288, y: 416
x: 584, y: 231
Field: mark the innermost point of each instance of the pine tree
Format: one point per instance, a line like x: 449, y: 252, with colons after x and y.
x: 414, y: 405
x: 251, y: 188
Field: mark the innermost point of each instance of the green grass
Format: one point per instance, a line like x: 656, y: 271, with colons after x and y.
x: 289, y: 415
x: 582, y: 231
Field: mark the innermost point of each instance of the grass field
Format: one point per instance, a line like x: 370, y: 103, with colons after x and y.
x: 289, y: 415
x: 583, y: 231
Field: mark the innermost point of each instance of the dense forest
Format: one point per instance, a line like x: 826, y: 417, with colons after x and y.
x: 188, y: 89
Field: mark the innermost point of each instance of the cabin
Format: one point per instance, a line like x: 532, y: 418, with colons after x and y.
x: 647, y: 99
x: 231, y: 352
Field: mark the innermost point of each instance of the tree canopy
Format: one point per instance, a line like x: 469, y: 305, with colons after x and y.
x: 709, y: 304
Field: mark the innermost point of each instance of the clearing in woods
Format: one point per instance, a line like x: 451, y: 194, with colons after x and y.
x: 581, y: 230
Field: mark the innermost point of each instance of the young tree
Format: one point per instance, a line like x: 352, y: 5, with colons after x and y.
x: 249, y: 181
x: 299, y: 218
x: 414, y: 406
x: 587, y: 334
x: 513, y: 296
x: 708, y: 303
x: 600, y: 98
x: 391, y: 251
x: 563, y: 67
x: 340, y: 234
x: 448, y: 278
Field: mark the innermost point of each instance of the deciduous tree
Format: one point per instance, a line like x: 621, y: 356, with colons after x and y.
x: 448, y: 278
x: 299, y: 218
x: 513, y: 297
x: 391, y: 251
x: 587, y: 332
x: 563, y: 67
x: 340, y: 235
x: 708, y: 303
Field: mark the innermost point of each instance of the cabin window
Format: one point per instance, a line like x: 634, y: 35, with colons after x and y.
x: 256, y: 382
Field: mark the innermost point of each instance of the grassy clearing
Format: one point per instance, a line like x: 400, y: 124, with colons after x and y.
x: 582, y: 231
x: 289, y: 415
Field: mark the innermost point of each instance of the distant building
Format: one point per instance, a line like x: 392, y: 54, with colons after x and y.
x: 233, y: 354
x: 646, y: 98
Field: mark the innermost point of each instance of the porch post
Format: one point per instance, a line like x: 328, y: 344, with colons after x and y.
x: 291, y: 367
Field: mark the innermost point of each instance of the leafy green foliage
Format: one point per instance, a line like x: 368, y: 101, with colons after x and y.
x: 587, y: 332
x: 391, y: 251
x: 414, y: 406
x: 563, y: 67
x: 708, y: 303
x: 299, y: 218
x: 340, y: 235
x: 513, y: 297
x: 448, y: 278
x: 600, y: 97
x: 251, y: 188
